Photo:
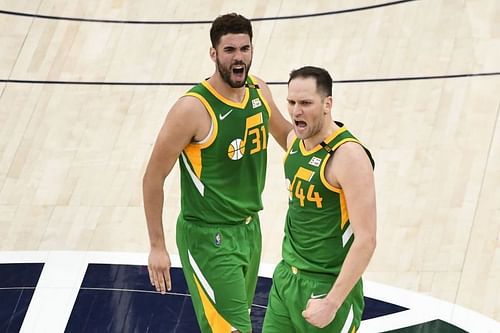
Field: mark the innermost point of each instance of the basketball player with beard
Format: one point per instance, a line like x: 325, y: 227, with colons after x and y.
x: 218, y: 131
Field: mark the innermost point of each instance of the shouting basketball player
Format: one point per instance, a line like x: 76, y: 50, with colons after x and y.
x: 219, y: 133
x: 331, y: 220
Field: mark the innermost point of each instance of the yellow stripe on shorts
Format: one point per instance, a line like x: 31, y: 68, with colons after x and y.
x: 214, y: 318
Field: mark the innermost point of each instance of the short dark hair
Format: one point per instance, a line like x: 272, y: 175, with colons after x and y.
x: 323, y: 79
x: 231, y: 23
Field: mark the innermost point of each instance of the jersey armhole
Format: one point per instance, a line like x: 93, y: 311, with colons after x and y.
x: 212, y: 133
x: 322, y: 175
x: 328, y: 157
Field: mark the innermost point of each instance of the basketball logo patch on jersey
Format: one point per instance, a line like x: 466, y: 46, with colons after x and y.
x: 315, y: 161
x: 236, y: 149
x: 218, y: 239
x: 256, y: 103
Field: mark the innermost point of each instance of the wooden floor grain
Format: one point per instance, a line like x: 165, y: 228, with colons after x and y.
x: 72, y: 156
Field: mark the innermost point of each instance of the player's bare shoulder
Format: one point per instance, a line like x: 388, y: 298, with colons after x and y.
x: 349, y: 160
x: 264, y: 88
x: 189, y: 113
x: 189, y: 106
x: 351, y: 154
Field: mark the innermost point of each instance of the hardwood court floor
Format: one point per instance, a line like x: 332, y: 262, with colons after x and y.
x: 72, y: 155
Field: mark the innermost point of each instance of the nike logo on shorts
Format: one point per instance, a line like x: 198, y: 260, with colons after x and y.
x: 223, y: 116
x: 317, y: 296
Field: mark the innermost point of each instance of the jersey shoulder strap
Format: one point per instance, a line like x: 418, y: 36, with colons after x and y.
x: 331, y: 151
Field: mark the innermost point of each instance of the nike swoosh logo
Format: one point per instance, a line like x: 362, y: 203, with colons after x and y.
x: 223, y: 116
x: 293, y: 152
x: 317, y: 296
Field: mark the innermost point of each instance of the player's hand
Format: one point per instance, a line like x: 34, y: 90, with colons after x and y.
x: 319, y: 312
x: 159, y: 270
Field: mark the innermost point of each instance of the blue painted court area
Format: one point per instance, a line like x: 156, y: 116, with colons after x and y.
x: 17, y: 285
x: 106, y: 292
x: 119, y: 298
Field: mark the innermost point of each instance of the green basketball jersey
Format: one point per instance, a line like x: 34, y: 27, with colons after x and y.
x: 222, y: 177
x: 318, y: 234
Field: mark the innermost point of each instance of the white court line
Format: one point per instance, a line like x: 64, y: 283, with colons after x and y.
x: 56, y: 292
x: 422, y: 308
x: 63, y: 273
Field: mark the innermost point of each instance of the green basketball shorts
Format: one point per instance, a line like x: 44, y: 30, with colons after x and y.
x: 290, y: 292
x: 221, y: 263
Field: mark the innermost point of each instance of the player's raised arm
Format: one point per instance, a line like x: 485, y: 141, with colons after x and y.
x: 279, y: 127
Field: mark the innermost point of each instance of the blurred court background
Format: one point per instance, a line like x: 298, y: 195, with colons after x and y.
x: 85, y: 87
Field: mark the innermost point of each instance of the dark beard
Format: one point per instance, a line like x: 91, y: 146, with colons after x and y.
x: 226, y: 74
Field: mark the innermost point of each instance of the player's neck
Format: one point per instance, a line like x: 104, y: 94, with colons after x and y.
x: 327, y: 130
x: 223, y: 88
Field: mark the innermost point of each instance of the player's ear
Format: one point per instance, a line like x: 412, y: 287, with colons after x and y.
x: 328, y: 103
x: 213, y: 54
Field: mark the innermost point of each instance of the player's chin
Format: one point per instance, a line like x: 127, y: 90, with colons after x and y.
x: 300, y: 132
x: 237, y: 83
x: 238, y: 78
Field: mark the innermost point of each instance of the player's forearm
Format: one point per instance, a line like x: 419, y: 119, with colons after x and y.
x: 280, y: 128
x: 153, y: 196
x: 353, y: 267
